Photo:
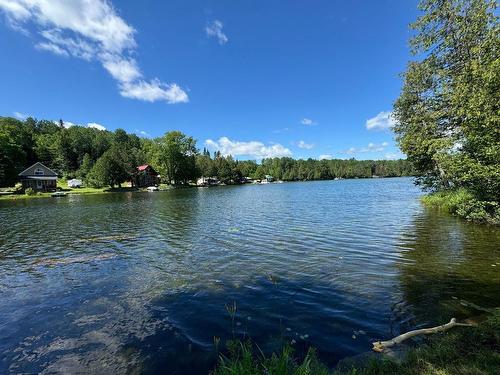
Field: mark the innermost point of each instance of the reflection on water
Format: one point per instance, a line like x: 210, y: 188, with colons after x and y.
x: 449, y: 268
x: 139, y: 282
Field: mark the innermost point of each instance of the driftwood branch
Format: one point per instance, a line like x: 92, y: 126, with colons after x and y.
x: 379, y: 346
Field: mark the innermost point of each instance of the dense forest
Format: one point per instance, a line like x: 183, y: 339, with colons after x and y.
x: 105, y: 158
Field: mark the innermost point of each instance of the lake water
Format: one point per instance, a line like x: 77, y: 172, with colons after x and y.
x: 140, y: 282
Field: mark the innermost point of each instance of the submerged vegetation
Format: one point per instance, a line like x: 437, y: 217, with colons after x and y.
x: 107, y: 159
x: 447, y: 116
x: 465, y: 350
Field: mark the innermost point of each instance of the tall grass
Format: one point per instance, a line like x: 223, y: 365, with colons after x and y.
x: 244, y: 359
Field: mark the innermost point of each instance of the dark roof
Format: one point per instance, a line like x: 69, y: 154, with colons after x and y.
x: 30, y: 171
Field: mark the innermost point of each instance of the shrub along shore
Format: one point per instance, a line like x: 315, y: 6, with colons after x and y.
x: 463, y: 203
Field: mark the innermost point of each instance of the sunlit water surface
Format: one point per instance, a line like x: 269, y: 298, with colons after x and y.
x: 142, y: 282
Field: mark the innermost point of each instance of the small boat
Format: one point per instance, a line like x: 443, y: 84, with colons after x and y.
x: 152, y: 188
x: 58, y: 194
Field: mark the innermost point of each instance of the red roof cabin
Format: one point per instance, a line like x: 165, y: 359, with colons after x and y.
x: 146, y: 176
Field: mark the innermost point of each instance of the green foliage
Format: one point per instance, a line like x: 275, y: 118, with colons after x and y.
x: 112, y: 168
x: 12, y: 153
x: 104, y: 158
x: 29, y: 191
x: 227, y: 170
x: 242, y: 360
x: 463, y: 203
x: 85, y: 167
x: 448, y: 113
x: 174, y: 156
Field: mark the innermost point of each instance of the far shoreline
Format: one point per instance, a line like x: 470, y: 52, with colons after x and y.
x: 102, y: 191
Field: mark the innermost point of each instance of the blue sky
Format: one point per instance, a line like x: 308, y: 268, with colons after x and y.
x: 252, y: 78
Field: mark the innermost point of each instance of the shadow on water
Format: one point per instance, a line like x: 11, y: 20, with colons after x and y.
x: 449, y: 268
x: 271, y: 312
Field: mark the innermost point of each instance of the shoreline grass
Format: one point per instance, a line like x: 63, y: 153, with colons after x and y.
x: 464, y: 350
x: 62, y: 186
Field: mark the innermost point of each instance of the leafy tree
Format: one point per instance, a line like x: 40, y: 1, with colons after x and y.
x: 12, y: 155
x: 448, y: 112
x: 86, y: 166
x: 174, y: 156
x: 111, y: 169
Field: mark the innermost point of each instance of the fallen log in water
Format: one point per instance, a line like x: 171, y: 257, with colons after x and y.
x: 379, y: 346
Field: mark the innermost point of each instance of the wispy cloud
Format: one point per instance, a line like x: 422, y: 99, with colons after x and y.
x: 254, y: 149
x: 384, y: 120
x: 304, y: 145
x: 282, y: 130
x: 90, y: 30
x: 214, y: 30
x: 372, y: 147
x: 325, y: 157
x: 308, y: 122
x: 19, y: 115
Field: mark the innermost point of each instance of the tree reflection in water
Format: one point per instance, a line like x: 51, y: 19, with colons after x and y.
x: 448, y: 268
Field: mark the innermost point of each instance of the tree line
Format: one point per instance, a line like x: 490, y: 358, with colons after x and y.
x: 109, y: 158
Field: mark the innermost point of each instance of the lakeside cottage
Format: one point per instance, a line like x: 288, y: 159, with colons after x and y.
x: 146, y: 176
x: 39, y: 178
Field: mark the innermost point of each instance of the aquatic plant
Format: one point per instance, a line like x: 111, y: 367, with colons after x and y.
x: 231, y: 310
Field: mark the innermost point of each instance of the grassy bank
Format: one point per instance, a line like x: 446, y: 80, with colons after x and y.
x: 463, y: 204
x: 62, y: 186
x: 464, y: 350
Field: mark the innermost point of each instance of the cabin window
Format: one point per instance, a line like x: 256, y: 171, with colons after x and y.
x: 39, y: 172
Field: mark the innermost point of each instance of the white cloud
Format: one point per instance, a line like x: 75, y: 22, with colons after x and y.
x: 123, y: 70
x: 52, y: 48
x: 307, y: 121
x: 95, y: 125
x: 90, y: 30
x: 19, y: 115
x: 214, y: 30
x: 253, y: 149
x: 304, y: 145
x: 325, y: 157
x: 384, y: 120
x: 372, y: 147
x: 15, y: 10
x: 153, y: 91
